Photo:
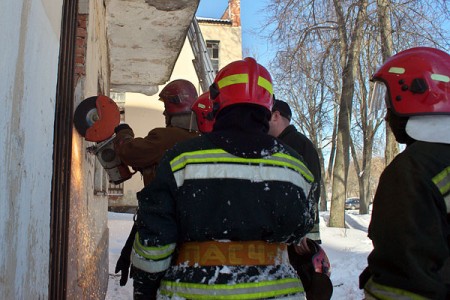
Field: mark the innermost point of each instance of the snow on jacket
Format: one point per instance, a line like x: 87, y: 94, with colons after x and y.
x: 410, y: 226
x: 144, y: 154
x: 204, y: 193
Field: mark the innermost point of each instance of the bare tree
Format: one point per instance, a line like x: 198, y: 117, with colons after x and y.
x: 327, y: 51
x: 385, y: 29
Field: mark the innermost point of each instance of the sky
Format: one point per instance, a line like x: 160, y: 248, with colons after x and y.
x: 252, y: 21
x: 346, y: 248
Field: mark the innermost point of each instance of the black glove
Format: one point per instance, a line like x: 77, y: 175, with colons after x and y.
x: 364, y: 277
x: 123, y: 263
x: 313, y: 268
x: 121, y: 127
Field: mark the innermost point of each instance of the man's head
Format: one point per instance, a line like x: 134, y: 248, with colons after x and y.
x: 417, y: 84
x: 281, y: 117
x: 178, y: 97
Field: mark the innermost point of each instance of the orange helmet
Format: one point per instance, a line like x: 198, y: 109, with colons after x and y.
x: 242, y: 81
x: 178, y: 97
x: 417, y: 81
x: 203, y: 109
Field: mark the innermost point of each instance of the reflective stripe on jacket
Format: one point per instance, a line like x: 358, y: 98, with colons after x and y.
x: 375, y: 291
x: 203, y: 193
x: 234, y: 291
x: 410, y: 226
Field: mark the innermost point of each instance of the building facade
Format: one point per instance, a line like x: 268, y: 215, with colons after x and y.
x: 54, y: 196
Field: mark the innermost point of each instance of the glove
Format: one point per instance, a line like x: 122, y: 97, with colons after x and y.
x: 121, y: 127
x: 123, y: 263
x: 313, y: 267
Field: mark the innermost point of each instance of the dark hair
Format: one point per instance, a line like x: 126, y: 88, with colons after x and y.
x: 283, y: 108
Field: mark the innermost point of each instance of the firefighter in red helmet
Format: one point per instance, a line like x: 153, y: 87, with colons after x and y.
x: 216, y: 221
x: 410, y: 226
x: 203, y: 109
x: 144, y: 154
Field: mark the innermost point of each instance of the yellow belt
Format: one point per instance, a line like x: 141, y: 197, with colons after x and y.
x: 233, y: 253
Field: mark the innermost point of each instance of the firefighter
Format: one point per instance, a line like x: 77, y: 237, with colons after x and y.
x: 203, y: 112
x: 144, y: 154
x: 308, y: 259
x: 410, y: 227
x: 216, y: 221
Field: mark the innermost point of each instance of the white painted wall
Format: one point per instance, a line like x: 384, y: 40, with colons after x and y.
x: 29, y: 53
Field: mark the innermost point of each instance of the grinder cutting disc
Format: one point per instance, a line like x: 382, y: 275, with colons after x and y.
x: 85, y: 115
x: 96, y: 117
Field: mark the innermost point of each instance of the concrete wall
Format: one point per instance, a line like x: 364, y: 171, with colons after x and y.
x: 87, y: 276
x: 29, y: 36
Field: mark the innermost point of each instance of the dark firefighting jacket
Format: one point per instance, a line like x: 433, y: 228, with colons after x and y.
x: 410, y: 226
x: 224, y: 187
x: 300, y: 143
x: 144, y: 154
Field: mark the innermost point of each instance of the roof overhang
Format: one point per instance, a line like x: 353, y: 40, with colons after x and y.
x: 145, y: 38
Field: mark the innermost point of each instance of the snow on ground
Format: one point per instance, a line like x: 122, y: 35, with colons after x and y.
x: 346, y: 248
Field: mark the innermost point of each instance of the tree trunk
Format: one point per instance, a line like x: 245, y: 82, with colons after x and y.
x: 351, y: 53
x: 384, y: 23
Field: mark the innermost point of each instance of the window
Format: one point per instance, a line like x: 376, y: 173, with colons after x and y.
x: 213, y: 51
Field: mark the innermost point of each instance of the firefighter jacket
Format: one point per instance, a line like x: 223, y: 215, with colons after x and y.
x: 410, y: 227
x: 300, y: 143
x: 218, y: 205
x: 144, y: 154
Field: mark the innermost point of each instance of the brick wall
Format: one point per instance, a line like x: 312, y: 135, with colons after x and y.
x: 80, y: 47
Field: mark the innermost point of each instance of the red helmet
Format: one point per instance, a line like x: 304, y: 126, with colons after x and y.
x: 203, y: 109
x: 242, y: 81
x: 417, y: 81
x: 178, y: 97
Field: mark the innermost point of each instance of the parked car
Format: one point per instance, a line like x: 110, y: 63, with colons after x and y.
x: 352, y: 203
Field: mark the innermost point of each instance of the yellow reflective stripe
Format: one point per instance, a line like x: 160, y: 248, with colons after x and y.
x: 384, y: 292
x: 150, y: 266
x: 439, y: 77
x: 221, y: 156
x: 296, y: 165
x: 442, y: 181
x: 253, y: 173
x: 266, y: 84
x: 243, y: 78
x: 232, y: 79
x: 153, y: 253
x: 397, y: 70
x: 237, y: 291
